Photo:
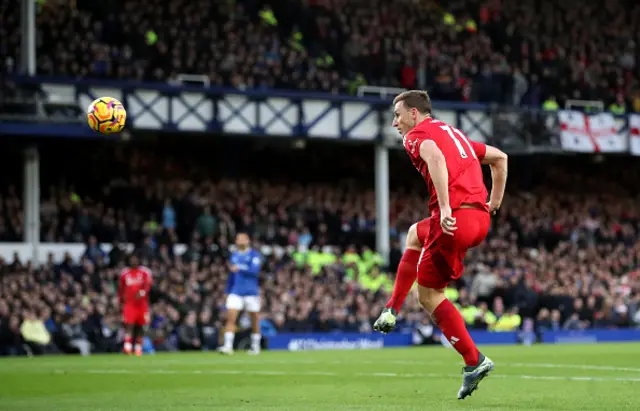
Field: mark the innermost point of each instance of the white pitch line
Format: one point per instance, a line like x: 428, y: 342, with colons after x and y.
x: 335, y: 374
x: 240, y: 362
x: 573, y: 366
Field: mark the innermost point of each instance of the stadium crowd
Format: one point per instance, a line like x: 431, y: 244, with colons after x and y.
x: 563, y: 253
x: 526, y: 52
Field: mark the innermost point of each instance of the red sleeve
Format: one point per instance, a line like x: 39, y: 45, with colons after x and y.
x: 479, y: 148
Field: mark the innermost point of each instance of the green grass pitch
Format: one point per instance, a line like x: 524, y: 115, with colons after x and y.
x: 603, y: 377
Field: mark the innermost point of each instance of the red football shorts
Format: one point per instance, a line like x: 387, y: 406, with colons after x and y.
x: 135, y: 315
x: 442, y: 257
x: 422, y: 229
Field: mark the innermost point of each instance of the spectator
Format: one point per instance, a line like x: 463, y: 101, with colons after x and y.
x: 94, y: 252
x: 484, y: 284
x: 168, y: 215
x: 466, y: 51
x: 208, y: 331
x: 484, y: 319
x: 564, y: 236
x: 543, y: 321
x: 555, y: 320
x: 73, y: 337
x: 188, y: 333
x: 10, y: 338
x: 573, y: 322
x: 116, y: 254
x: 206, y: 224
x: 34, y: 333
x: 109, y: 338
x: 509, y: 321
x: 425, y: 333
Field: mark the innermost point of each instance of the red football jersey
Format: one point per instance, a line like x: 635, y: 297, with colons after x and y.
x: 466, y: 184
x: 132, y: 281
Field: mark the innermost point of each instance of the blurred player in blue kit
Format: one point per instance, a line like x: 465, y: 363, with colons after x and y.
x: 243, y: 293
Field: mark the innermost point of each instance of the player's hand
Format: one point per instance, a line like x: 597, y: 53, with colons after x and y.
x: 493, y: 207
x: 386, y: 322
x: 234, y: 268
x: 141, y: 294
x: 447, y: 221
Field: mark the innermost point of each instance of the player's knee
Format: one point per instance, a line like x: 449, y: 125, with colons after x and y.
x: 424, y: 301
x: 430, y: 298
x: 412, y: 241
x: 232, y: 316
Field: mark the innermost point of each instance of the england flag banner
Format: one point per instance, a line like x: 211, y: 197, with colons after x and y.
x: 584, y: 133
x: 634, y: 134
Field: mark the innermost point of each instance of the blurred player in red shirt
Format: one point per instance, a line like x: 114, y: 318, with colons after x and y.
x: 460, y: 218
x: 133, y: 290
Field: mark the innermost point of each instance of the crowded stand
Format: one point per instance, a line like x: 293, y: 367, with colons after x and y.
x: 563, y: 252
x: 526, y: 52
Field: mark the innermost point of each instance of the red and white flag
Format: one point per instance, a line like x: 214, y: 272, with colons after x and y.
x: 634, y: 134
x: 591, y: 133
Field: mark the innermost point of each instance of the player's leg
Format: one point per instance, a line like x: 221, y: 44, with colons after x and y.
x: 253, y: 307
x: 128, y: 338
x: 128, y: 321
x: 440, y: 263
x: 407, y: 269
x: 453, y: 327
x: 142, y: 320
x: 405, y: 276
x: 137, y: 338
x: 448, y: 319
x: 229, y: 331
x: 234, y: 305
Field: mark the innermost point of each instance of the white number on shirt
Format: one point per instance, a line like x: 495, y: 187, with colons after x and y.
x: 452, y: 131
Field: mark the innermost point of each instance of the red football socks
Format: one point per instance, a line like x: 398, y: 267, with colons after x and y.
x: 406, y: 276
x: 128, y: 346
x: 453, y: 327
x: 138, y: 346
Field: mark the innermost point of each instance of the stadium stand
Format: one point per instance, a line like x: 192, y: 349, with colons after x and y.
x: 563, y: 253
x: 522, y: 52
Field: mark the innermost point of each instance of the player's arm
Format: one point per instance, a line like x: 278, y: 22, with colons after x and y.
x: 497, y: 161
x: 231, y: 266
x: 432, y: 155
x: 229, y: 285
x: 256, y: 265
x: 252, y: 269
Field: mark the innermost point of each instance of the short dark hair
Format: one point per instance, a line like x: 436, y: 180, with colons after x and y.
x: 417, y: 99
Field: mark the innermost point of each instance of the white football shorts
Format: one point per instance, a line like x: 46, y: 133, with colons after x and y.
x: 250, y: 303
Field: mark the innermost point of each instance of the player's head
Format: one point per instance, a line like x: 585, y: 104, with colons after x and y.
x: 409, y: 109
x: 242, y: 241
x: 134, y: 261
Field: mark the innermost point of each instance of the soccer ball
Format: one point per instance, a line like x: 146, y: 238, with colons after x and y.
x: 106, y: 115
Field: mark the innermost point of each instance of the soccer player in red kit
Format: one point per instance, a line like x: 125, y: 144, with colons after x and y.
x: 133, y: 290
x: 460, y: 218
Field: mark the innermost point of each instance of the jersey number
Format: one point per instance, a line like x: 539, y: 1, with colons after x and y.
x: 452, y: 131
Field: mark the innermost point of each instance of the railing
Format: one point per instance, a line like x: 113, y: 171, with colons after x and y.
x: 311, y: 115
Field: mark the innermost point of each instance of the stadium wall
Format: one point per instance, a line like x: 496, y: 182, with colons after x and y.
x: 357, y: 341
